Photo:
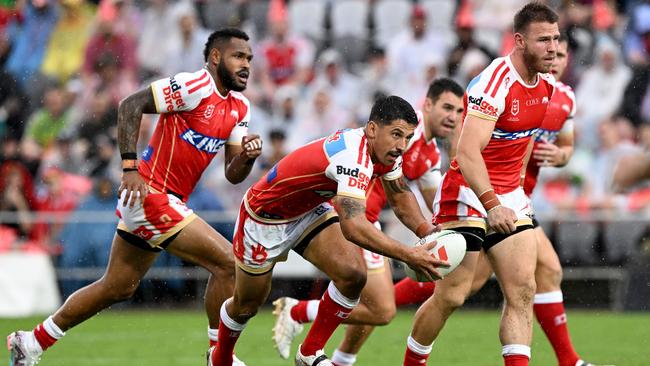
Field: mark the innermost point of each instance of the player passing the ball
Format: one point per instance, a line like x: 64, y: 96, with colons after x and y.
x: 289, y: 209
x: 480, y: 196
x: 441, y: 112
x: 200, y: 112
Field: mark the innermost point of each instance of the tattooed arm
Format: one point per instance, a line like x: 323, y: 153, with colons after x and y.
x: 357, y: 229
x: 406, y: 207
x: 129, y: 116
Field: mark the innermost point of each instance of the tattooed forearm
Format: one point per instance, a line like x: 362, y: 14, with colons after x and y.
x: 350, y: 207
x: 129, y: 116
x: 397, y: 185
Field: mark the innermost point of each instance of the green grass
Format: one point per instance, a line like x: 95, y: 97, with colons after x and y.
x: 178, y: 338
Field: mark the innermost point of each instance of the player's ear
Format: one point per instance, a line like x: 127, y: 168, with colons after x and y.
x: 428, y: 105
x: 215, y: 56
x: 520, y: 43
x: 371, y: 129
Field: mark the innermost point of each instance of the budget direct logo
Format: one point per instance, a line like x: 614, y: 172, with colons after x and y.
x: 202, y: 142
x: 356, y: 178
x: 173, y: 97
x: 480, y: 105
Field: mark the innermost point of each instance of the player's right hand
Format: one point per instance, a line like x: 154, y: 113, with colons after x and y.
x: 419, y: 259
x: 502, y: 220
x: 135, y: 188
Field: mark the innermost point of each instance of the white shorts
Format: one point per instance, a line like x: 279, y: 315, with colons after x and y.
x: 258, y: 246
x: 374, y: 262
x: 462, y: 208
x: 150, y: 225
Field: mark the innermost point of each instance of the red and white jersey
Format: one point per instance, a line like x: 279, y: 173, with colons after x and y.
x: 337, y: 165
x: 499, y: 94
x: 420, y: 162
x: 195, y: 122
x: 558, y: 119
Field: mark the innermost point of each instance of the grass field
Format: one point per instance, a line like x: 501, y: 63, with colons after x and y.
x: 163, y: 338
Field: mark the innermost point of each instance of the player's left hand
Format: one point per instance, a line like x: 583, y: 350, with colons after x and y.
x: 252, y: 146
x: 548, y: 154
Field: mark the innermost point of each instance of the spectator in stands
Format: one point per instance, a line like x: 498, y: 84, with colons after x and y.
x: 14, y: 104
x: 317, y: 118
x: 47, y: 122
x: 615, y: 144
x: 31, y: 40
x: 278, y: 150
x: 65, y: 51
x: 106, y: 41
x: 157, y: 20
x: 600, y: 92
x: 125, y: 16
x: 343, y: 87
x: 473, y: 63
x: 284, y: 58
x: 185, y: 45
x: 637, y: 37
x: 285, y: 104
x: 16, y: 196
x: 86, y: 243
x: 466, y: 42
x: 410, y: 52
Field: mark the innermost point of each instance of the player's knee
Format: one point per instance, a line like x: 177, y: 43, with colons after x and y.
x: 384, y: 313
x: 353, y: 281
x: 452, y: 300
x: 117, y: 293
x: 244, y: 310
x: 224, y: 271
x: 521, y: 293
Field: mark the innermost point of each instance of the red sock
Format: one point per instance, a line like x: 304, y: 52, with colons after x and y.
x: 225, y: 345
x: 552, y: 319
x: 299, y: 312
x: 414, y: 359
x: 408, y: 291
x: 515, y: 360
x: 330, y: 315
x: 43, y: 337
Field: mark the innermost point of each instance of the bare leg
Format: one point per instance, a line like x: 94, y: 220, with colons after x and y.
x: 126, y: 267
x: 450, y: 294
x: 199, y: 243
x: 513, y: 261
x: 482, y: 273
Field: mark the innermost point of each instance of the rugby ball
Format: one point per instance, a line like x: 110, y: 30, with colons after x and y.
x: 450, y: 247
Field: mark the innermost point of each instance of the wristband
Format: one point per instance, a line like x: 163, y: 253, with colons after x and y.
x: 129, y: 156
x: 423, y: 229
x: 130, y: 164
x: 493, y: 208
x: 489, y: 199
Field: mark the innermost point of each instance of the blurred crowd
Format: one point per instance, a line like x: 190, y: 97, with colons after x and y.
x: 318, y: 65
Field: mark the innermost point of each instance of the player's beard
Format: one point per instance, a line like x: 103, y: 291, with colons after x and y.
x: 534, y: 62
x: 228, y: 79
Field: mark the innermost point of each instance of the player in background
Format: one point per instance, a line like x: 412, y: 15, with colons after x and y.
x: 199, y: 113
x: 441, y: 112
x: 553, y: 147
x: 289, y: 208
x: 480, y: 196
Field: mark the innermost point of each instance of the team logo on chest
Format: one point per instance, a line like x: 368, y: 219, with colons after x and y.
x: 208, y: 111
x: 514, y: 110
x: 202, y: 142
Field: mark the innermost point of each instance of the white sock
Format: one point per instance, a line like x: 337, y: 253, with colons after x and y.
x: 418, y: 348
x: 213, y: 334
x: 229, y: 322
x: 553, y: 297
x: 312, y: 309
x: 343, y: 359
x: 52, y: 329
x: 516, y: 349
